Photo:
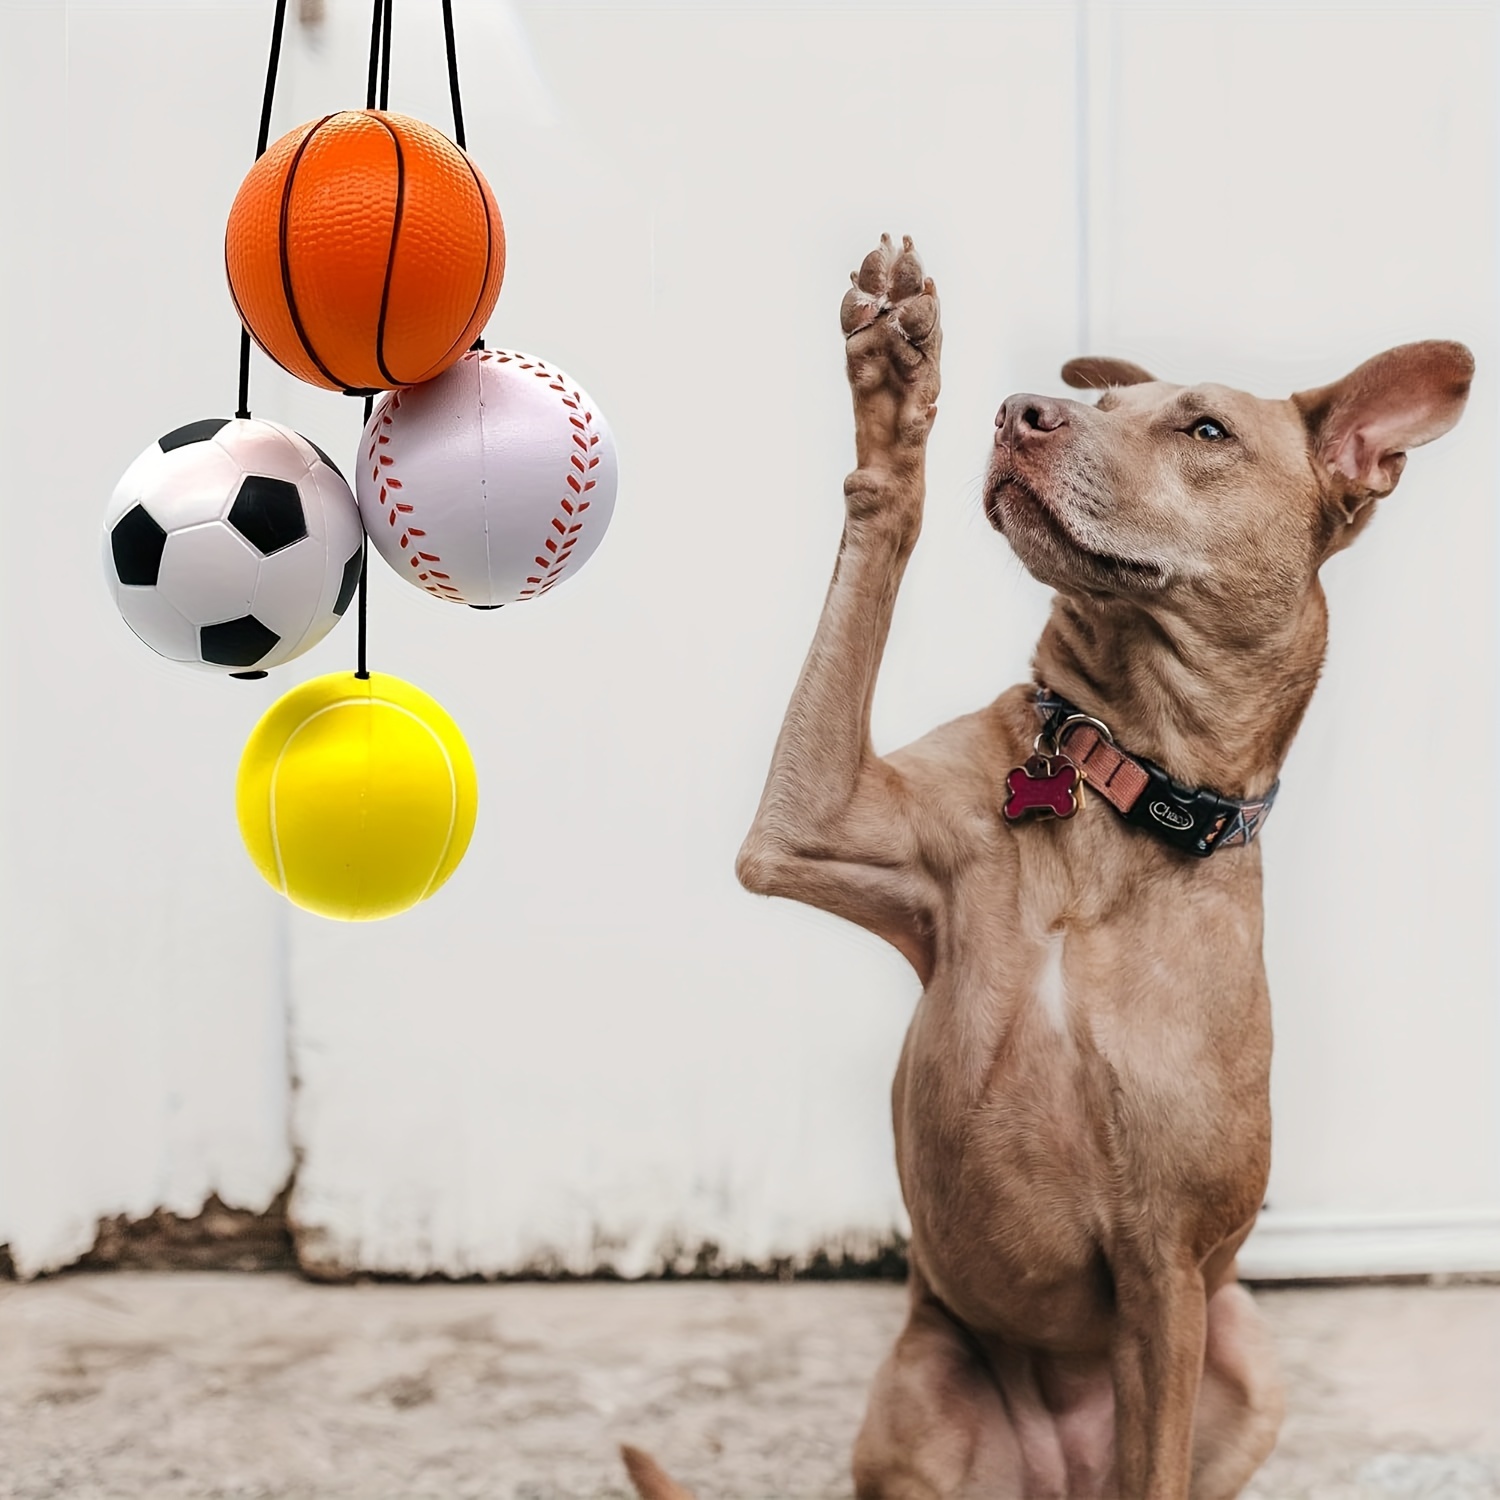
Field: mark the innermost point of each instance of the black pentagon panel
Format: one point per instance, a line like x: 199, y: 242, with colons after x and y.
x: 321, y: 454
x: 193, y: 432
x: 349, y: 582
x: 137, y: 543
x: 268, y: 513
x: 236, y: 643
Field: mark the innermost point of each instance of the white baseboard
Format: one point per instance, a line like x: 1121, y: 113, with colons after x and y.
x: 1291, y: 1247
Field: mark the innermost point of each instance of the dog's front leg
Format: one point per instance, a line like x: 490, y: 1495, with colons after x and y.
x: 838, y: 827
x: 1157, y: 1369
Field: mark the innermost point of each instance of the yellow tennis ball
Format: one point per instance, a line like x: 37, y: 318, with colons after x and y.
x: 356, y: 798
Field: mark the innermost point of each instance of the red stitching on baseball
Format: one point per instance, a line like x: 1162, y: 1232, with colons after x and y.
x: 571, y: 509
x: 388, y: 480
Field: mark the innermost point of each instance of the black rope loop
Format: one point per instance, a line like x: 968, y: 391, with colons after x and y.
x: 273, y: 64
x: 452, y: 51
x: 377, y: 95
x: 378, y: 86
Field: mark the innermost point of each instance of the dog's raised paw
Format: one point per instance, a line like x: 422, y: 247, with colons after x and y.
x: 892, y: 336
x: 891, y: 284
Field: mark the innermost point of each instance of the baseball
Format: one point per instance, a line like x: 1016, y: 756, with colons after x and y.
x: 490, y: 484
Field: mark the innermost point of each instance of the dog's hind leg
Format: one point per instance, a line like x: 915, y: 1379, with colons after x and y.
x: 936, y: 1427
x: 1240, y: 1406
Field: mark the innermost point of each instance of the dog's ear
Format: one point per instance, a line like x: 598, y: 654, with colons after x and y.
x: 1361, y: 427
x: 1095, y: 373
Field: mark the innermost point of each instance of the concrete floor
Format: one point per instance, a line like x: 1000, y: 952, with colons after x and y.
x: 220, y: 1385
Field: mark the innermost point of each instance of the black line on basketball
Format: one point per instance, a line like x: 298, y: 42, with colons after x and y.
x: 239, y: 312
x: 390, y: 260
x: 465, y: 337
x: 286, y: 267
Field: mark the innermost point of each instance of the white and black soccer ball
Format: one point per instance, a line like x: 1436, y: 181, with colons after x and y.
x: 233, y: 545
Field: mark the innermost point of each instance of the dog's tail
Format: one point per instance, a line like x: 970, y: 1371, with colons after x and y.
x: 651, y: 1481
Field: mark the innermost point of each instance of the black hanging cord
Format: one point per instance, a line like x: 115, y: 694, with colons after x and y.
x: 458, y: 105
x: 377, y: 86
x: 377, y: 25
x: 385, y: 57
x: 361, y: 665
x: 451, y: 48
x: 243, y: 409
x: 362, y: 615
x: 273, y: 63
x: 278, y: 26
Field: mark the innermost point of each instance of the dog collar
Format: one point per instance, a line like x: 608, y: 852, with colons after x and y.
x: 1074, y: 747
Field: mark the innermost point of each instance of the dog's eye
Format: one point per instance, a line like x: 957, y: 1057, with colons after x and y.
x: 1206, y: 430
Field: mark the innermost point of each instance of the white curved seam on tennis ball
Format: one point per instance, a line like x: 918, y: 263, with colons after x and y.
x: 452, y: 800
x: 416, y: 718
x: 452, y: 785
x: 276, y: 773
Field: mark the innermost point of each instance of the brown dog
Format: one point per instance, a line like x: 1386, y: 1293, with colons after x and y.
x: 1082, y: 1104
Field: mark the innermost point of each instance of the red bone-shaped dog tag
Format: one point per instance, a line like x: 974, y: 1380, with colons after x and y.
x: 1040, y: 787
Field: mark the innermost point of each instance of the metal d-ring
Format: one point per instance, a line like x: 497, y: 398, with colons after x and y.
x: 1054, y: 738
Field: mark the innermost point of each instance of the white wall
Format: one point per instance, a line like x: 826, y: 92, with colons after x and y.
x: 592, y: 1048
x: 1276, y: 195
x: 142, y: 1029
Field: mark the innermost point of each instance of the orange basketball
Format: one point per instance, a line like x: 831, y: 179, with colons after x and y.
x: 364, y: 251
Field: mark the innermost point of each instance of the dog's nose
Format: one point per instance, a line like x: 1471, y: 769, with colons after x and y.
x: 1026, y: 417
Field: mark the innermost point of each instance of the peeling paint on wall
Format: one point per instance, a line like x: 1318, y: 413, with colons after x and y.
x: 319, y: 1259
x: 217, y: 1238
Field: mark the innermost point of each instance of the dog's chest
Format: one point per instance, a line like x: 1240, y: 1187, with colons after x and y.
x: 1077, y: 1039
x: 1050, y: 988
